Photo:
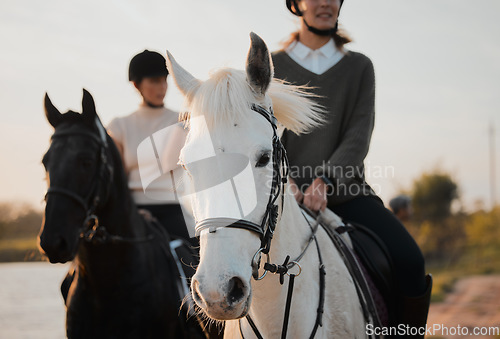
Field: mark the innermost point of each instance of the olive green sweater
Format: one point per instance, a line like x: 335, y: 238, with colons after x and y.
x: 338, y: 148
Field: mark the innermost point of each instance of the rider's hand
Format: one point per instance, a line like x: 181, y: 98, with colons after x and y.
x: 296, y: 191
x: 315, y: 195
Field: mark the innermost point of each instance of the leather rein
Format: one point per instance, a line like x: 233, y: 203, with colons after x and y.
x: 91, y: 231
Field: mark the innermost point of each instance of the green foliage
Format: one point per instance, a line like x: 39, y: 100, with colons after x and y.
x: 454, y: 244
x: 432, y: 196
x: 440, y: 234
x: 483, y: 228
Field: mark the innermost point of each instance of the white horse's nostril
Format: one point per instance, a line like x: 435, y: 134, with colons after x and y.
x: 236, y: 290
x: 195, y: 286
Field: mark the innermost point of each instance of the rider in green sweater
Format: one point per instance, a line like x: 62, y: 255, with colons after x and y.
x: 327, y: 164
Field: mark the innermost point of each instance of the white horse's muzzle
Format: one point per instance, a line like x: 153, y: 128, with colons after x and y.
x: 229, y: 298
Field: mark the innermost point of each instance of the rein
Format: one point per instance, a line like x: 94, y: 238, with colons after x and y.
x: 91, y: 231
x: 282, y: 270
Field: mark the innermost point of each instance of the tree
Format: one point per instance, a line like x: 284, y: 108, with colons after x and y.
x: 432, y: 196
x: 440, y: 234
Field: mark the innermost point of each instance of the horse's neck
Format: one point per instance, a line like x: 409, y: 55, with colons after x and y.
x: 291, y: 231
x: 342, y: 320
x: 290, y: 238
x: 120, y: 215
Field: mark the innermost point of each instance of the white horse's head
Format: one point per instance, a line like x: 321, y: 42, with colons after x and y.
x: 229, y: 158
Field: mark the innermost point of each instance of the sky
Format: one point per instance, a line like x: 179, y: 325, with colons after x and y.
x: 436, y: 64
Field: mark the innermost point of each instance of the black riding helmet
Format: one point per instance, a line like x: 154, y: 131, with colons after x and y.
x: 145, y: 65
x: 293, y: 7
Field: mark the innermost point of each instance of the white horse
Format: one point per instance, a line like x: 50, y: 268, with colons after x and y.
x: 231, y: 113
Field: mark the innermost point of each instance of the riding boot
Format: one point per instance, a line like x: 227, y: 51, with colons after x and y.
x: 414, y: 310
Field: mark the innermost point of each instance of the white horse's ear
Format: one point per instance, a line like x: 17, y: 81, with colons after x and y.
x: 187, y: 84
x: 259, y: 65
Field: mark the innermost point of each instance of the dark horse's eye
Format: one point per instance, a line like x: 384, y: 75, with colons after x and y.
x: 263, y: 160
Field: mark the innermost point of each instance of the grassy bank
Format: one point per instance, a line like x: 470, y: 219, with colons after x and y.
x: 19, y: 227
x: 474, y: 261
x: 19, y: 249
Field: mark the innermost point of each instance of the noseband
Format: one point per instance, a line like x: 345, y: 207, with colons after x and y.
x: 268, y: 224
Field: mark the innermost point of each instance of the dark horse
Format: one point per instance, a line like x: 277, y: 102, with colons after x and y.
x: 125, y: 280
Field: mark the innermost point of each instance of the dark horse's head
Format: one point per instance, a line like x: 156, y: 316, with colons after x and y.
x: 78, y: 176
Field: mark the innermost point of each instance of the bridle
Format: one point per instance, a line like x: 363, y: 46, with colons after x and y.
x: 267, y: 228
x: 91, y: 230
x: 266, y: 231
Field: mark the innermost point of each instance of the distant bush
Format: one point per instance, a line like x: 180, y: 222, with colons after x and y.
x: 454, y: 243
x: 483, y: 228
x: 440, y: 233
x: 19, y: 228
x: 19, y: 221
x: 432, y: 196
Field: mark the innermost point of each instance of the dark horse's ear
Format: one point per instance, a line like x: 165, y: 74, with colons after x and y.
x: 88, y: 108
x: 51, y: 112
x: 259, y: 65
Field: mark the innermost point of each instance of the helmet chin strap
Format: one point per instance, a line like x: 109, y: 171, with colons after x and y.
x: 322, y: 32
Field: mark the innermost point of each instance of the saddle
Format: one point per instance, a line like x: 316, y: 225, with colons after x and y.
x: 369, y: 263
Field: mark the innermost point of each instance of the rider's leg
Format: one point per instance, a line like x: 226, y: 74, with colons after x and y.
x: 414, y: 288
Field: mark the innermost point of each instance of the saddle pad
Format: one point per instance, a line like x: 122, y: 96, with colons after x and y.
x: 371, y: 252
x: 375, y: 257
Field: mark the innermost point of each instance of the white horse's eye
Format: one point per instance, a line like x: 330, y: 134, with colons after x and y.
x: 263, y: 160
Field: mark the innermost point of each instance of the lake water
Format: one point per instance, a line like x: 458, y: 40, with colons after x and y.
x: 31, y: 305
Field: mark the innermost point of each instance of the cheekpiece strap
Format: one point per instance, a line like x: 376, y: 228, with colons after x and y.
x: 269, y: 115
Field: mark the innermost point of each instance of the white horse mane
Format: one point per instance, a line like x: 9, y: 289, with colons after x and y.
x: 226, y: 96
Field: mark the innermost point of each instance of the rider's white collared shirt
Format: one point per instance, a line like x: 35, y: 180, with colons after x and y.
x: 317, y: 61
